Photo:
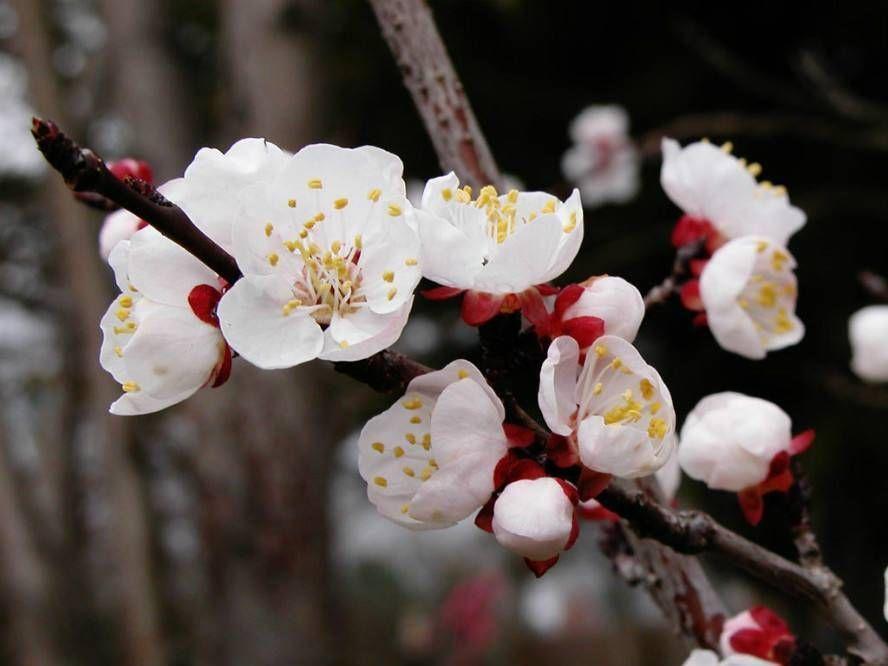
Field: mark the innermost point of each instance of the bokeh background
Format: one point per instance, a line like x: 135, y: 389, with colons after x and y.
x: 233, y: 528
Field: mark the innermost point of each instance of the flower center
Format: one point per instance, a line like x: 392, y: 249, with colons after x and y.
x: 769, y: 294
x: 330, y: 280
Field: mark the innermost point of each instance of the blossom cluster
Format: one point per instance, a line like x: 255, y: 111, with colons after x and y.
x: 755, y: 637
x: 331, y: 251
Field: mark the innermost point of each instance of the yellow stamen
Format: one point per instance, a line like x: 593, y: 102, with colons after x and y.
x: 410, y: 262
x: 380, y: 481
x: 388, y: 276
x: 129, y: 387
x: 315, y: 184
x: 374, y: 194
x: 394, y: 210
x: 398, y: 452
x: 379, y: 447
x: 413, y: 403
x: 273, y: 259
x: 269, y: 228
x: 339, y: 204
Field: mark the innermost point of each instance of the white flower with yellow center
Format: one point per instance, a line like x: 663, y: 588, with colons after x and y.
x: 748, y: 290
x: 614, y: 408
x: 429, y: 459
x: 495, y: 244
x: 715, y: 188
x: 329, y: 260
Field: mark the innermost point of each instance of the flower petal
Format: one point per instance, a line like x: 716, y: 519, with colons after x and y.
x: 558, y: 381
x: 363, y: 333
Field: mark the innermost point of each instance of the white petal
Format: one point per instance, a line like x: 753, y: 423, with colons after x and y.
x: 669, y: 477
x: 868, y: 333
x: 430, y: 385
x: 256, y: 328
x: 388, y: 164
x: 140, y: 402
x: 702, y: 658
x: 389, y: 269
x: 523, y: 260
x: 729, y: 440
x: 364, y: 333
x: 164, y: 271
x: 558, y: 382
x: 533, y: 518
x: 572, y: 227
x: 614, y: 300
x: 119, y: 225
x: 465, y: 420
x: 456, y: 490
x: 118, y: 259
x: 450, y: 257
x: 172, y: 352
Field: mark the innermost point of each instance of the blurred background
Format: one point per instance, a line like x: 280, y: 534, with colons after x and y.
x: 233, y: 529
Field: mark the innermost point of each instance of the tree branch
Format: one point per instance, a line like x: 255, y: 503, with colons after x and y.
x: 662, y: 292
x: 694, y: 532
x: 84, y: 171
x: 409, y: 29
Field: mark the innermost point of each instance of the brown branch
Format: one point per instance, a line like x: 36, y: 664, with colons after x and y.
x: 409, y: 29
x: 84, y: 171
x: 670, y: 285
x: 694, y: 532
x: 804, y: 537
x: 385, y: 371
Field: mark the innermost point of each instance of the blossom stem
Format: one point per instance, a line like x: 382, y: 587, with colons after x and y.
x: 84, y: 171
x: 670, y: 285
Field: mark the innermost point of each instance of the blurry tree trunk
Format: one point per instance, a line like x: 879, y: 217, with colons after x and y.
x: 107, y: 488
x: 145, y: 88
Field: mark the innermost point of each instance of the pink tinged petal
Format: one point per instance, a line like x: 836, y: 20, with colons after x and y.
x: 118, y: 226
x: 450, y: 257
x: 533, y: 518
x: 172, y: 352
x: 524, y: 258
x: 163, y: 271
x: 466, y: 421
x: 119, y: 262
x: 617, y: 449
x: 254, y: 324
x: 558, y: 381
x: 363, y: 333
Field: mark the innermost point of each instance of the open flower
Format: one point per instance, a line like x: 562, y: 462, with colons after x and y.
x: 429, y: 459
x: 535, y: 518
x: 161, y: 335
x: 868, y: 332
x: 614, y: 409
x: 328, y: 258
x: 741, y: 444
x: 602, y: 305
x: 710, y: 658
x: 496, y: 248
x: 161, y: 339
x: 748, y: 291
x: 721, y: 198
x: 603, y: 161
x: 758, y: 632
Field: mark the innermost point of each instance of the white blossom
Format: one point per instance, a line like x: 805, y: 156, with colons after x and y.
x: 729, y: 440
x: 868, y: 333
x: 534, y: 518
x: 328, y: 258
x: 710, y: 658
x: 496, y: 244
x: 616, y: 302
x: 748, y: 290
x: 614, y: 408
x: 119, y: 225
x: 711, y: 185
x: 429, y: 459
x: 603, y: 161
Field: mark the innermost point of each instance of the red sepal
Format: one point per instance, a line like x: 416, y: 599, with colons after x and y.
x: 223, y: 369
x: 690, y: 296
x: 560, y: 451
x: 479, y: 307
x: 518, y: 436
x: 750, y: 641
x: 203, y: 300
x: 585, y: 330
x: 697, y: 266
x: 534, y: 310
x: 591, y: 483
x: 769, y: 621
x: 568, y: 296
x: 597, y: 513
x: 547, y: 289
x: 574, y: 533
x: 441, y: 293
x: 484, y: 519
x: 539, y: 567
x: 130, y: 167
x: 689, y: 230
x: 501, y: 471
x: 779, y: 475
x: 700, y: 321
x: 525, y: 468
x: 751, y: 504
x: 801, y: 442
x: 569, y: 490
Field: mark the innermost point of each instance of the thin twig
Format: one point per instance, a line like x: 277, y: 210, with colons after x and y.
x: 670, y: 285
x: 84, y: 171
